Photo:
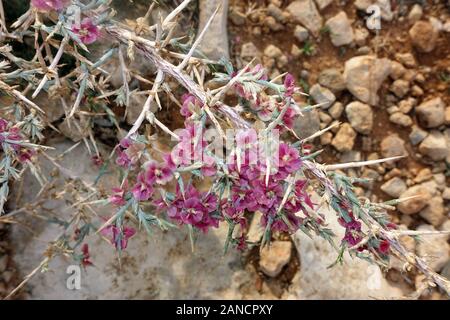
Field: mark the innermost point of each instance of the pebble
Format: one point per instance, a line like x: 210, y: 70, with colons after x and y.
x: 360, y: 116
x: 341, y: 32
x: 433, y: 248
x: 394, y: 187
x: 416, y: 204
x: 431, y: 113
x: 406, y: 105
x: 400, y: 88
x: 424, y: 36
x: 401, y: 119
x: 322, y: 95
x: 392, y: 146
x: 336, y: 110
x: 434, y: 146
x: 345, y: 138
x: 305, y: 12
x: 301, y: 33
x: 417, y: 135
x: 433, y: 213
x: 274, y: 257
x: 332, y: 79
x: 416, y: 13
x: 407, y: 59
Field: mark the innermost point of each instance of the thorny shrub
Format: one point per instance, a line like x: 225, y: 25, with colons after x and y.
x: 265, y: 169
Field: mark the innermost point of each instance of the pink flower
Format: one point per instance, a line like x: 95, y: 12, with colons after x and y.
x: 48, y: 5
x: 118, y: 236
x: 384, y: 247
x: 289, y: 85
x: 88, y: 32
x: 25, y: 155
x: 289, y: 160
x: 143, y: 188
x: 97, y: 160
x: 85, y: 260
x: 190, y: 105
x: 118, y: 196
x: 159, y: 173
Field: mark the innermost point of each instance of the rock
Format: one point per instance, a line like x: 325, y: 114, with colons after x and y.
x: 400, y: 88
x: 274, y: 257
x: 272, y: 23
x: 322, y: 4
x: 276, y: 12
x: 415, y: 13
x: 447, y: 116
x: 345, y: 138
x: 307, y: 124
x: 52, y: 106
x: 364, y: 75
x: 417, y: 135
x: 434, y: 146
x: 394, y: 187
x: 416, y: 204
x: 405, y: 106
x: 354, y: 279
x: 392, y: 146
x: 401, y: 119
x: 360, y: 116
x: 336, y: 110
x: 433, y: 213
x: 326, y: 138
x: 446, y: 270
x: 423, y: 175
x: 272, y: 51
x: 301, y: 33
x: 250, y: 51
x: 325, y: 118
x: 296, y: 51
x: 305, y: 12
x: 332, y: 79
x: 255, y: 231
x: 215, y: 41
x: 397, y: 70
x: 431, y: 113
x: 434, y: 249
x: 360, y: 35
x: 341, y: 31
x: 446, y: 193
x: 322, y: 96
x: 407, y: 59
x: 424, y: 36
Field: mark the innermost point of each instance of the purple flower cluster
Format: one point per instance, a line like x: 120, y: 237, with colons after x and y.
x: 87, y: 31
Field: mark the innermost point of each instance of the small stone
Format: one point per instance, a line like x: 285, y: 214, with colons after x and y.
x: 397, y: 70
x: 394, y: 187
x: 296, y: 51
x: 301, y: 33
x: 326, y: 138
x: 322, y: 96
x: 274, y: 257
x: 407, y: 59
x: 345, y: 138
x: 324, y: 117
x: 272, y: 23
x: 401, y: 119
x: 336, y: 110
x: 434, y: 212
x: 431, y: 113
x: 416, y: 91
x: 306, y: 13
x: 400, y: 88
x: 364, y: 75
x: 250, y: 51
x: 332, y: 79
x: 405, y: 106
x: 360, y: 116
x: 434, y: 146
x: 423, y: 175
x: 446, y: 193
x: 416, y: 13
x: 434, y: 249
x: 361, y: 35
x: 341, y: 31
x: 392, y: 146
x: 416, y: 204
x: 307, y: 124
x: 447, y: 116
x: 350, y: 156
x: 276, y: 12
x: 272, y: 51
x: 424, y: 36
x: 417, y: 135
